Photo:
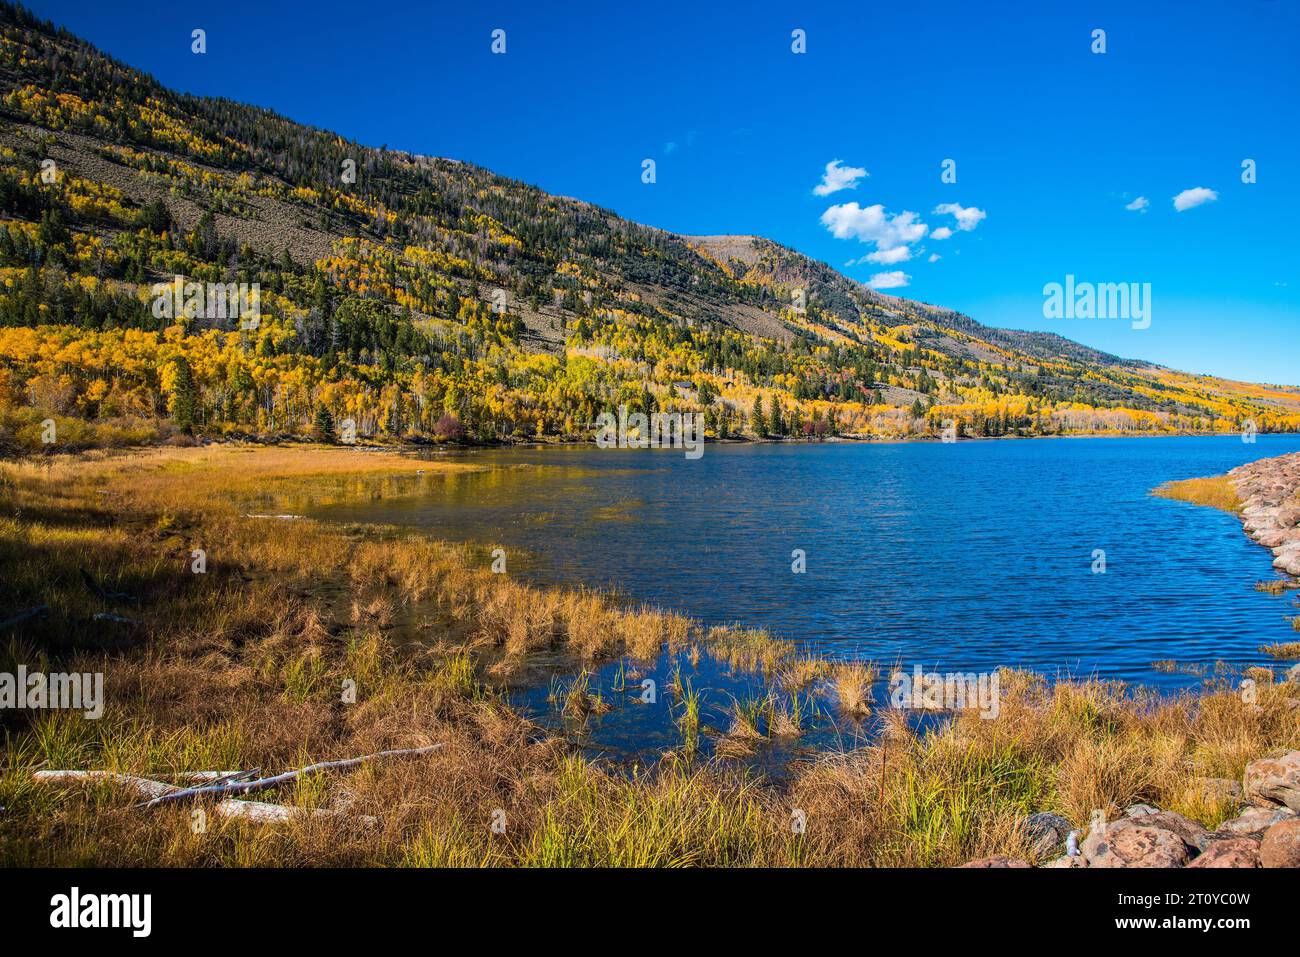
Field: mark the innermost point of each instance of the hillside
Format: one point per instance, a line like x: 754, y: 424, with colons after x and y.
x: 428, y: 298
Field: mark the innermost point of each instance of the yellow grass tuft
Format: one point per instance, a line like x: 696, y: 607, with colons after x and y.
x: 1215, y: 492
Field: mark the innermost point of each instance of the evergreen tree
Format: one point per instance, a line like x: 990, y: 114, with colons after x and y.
x: 777, y: 417
x: 185, y: 397
x: 155, y: 217
x: 757, y: 423
x: 322, y: 429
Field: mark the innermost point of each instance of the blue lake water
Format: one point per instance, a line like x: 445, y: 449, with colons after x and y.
x: 967, y: 556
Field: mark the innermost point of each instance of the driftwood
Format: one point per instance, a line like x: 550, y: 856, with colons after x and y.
x: 22, y: 616
x: 261, y: 784
x: 256, y: 811
x: 212, y: 776
x: 142, y: 786
x: 106, y: 616
x: 263, y: 813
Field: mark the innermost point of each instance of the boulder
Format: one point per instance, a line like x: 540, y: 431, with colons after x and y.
x: 1269, y: 782
x: 1288, y: 516
x: 1281, y: 845
x: 1253, y: 821
x: 1137, y: 842
x: 1193, y: 835
x: 1288, y: 560
x: 1136, y: 810
x: 1046, y: 832
x: 997, y: 861
x: 1272, y: 537
x: 1229, y: 852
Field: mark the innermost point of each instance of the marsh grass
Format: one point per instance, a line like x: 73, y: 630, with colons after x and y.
x: 851, y: 683
x: 1285, y: 651
x: 1276, y: 586
x: 244, y: 666
x: 1216, y: 492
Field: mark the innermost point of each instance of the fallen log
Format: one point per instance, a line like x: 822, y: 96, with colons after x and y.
x: 260, y: 812
x: 118, y: 619
x: 261, y: 784
x: 142, y: 786
x: 212, y: 776
x: 256, y: 811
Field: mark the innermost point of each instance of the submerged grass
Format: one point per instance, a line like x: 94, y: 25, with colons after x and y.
x: 303, y: 642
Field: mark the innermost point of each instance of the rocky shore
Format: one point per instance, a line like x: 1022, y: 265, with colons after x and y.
x: 1264, y: 833
x: 1270, y: 494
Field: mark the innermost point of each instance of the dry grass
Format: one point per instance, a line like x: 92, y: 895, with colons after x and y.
x: 851, y: 682
x: 1215, y: 492
x: 245, y: 665
x: 1276, y: 586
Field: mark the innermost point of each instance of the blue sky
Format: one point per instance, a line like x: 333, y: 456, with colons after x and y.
x: 1051, y: 141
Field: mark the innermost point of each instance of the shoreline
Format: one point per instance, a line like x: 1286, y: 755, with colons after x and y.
x: 242, y: 667
x: 1269, y: 490
x: 403, y: 447
x: 1263, y: 494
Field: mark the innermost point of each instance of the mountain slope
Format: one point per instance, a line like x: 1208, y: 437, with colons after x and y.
x: 424, y: 297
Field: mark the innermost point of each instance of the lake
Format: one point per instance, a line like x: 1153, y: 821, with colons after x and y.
x: 958, y: 557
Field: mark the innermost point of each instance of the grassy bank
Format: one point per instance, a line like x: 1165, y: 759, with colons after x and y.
x: 1215, y: 492
x: 246, y: 665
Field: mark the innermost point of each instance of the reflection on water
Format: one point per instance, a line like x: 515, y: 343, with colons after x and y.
x: 964, y: 557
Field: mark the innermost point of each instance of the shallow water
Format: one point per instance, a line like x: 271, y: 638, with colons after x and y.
x: 963, y: 557
x: 967, y: 556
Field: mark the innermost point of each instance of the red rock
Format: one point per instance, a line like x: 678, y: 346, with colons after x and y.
x: 1252, y: 821
x: 1230, y: 852
x: 1281, y: 845
x: 1133, y: 842
x: 1274, y: 781
x: 1193, y: 835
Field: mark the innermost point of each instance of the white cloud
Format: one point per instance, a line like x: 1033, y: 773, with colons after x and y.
x: 1139, y: 205
x: 943, y: 232
x: 967, y: 217
x: 935, y: 257
x: 1191, y: 198
x: 873, y: 225
x: 838, y: 177
x: 889, y: 257
x: 889, y: 280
